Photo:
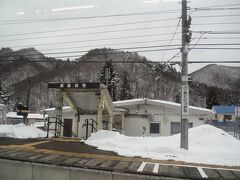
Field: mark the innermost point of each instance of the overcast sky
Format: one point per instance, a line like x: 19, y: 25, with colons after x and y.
x: 130, y: 32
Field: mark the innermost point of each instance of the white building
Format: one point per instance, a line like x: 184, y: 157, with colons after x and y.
x: 3, y: 112
x: 141, y: 116
x: 157, y: 117
x: 13, y: 118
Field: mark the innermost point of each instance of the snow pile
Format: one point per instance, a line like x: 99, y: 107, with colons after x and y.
x: 38, y: 124
x: 21, y: 131
x: 207, y: 145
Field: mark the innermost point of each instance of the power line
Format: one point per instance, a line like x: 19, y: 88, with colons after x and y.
x: 223, y: 5
x: 220, y: 23
x: 101, y: 39
x: 219, y: 48
x: 221, y: 38
x: 130, y: 62
x: 217, y: 16
x: 18, y: 21
x: 71, y: 52
x: 90, y: 27
x: 134, y: 42
x: 218, y: 32
x: 219, y: 44
x: 88, y: 33
x: 106, y: 45
x: 172, y: 37
x: 197, y: 41
x: 215, y: 9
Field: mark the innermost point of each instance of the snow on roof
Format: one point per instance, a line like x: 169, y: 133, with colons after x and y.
x: 53, y: 109
x: 68, y: 108
x: 30, y: 115
x: 207, y: 145
x: 119, y: 105
x: 224, y: 109
x: 156, y: 103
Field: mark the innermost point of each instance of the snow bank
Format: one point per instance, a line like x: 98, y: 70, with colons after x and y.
x: 21, y: 131
x: 207, y: 145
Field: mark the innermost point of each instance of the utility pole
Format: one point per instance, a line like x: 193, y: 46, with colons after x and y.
x: 25, y: 119
x: 186, y: 36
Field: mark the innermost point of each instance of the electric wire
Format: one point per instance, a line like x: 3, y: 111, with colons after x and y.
x: 216, y: 23
x: 197, y: 41
x: 92, y: 40
x: 224, y: 48
x: 89, y: 27
x: 119, y: 49
x: 18, y: 21
x: 216, y: 16
x: 88, y: 33
x: 222, y: 5
x: 215, y: 9
x: 164, y: 54
x: 218, y: 32
x: 112, y: 44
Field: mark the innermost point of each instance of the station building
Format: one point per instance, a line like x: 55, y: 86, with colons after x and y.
x: 94, y: 110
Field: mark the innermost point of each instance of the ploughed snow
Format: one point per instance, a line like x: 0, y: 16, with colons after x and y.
x: 207, y: 145
x: 21, y: 131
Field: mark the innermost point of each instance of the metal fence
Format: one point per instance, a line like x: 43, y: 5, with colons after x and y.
x: 231, y: 127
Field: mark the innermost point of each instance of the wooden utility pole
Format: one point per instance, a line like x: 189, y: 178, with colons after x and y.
x: 25, y: 119
x: 186, y: 35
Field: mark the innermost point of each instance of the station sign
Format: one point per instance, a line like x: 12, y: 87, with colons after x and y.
x: 74, y: 85
x: 185, y: 100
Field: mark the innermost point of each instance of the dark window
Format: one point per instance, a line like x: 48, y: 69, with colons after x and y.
x: 227, y: 117
x: 176, y: 128
x: 154, y: 128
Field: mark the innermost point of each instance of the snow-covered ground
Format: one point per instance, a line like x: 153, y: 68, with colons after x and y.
x: 207, y: 145
x: 21, y: 131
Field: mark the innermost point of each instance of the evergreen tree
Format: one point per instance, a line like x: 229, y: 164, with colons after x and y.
x: 212, y: 98
x: 4, y: 93
x: 125, y: 92
x: 177, y: 99
x: 109, y: 77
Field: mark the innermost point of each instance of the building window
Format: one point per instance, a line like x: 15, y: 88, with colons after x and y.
x: 154, y: 128
x: 176, y: 127
x: 227, y: 117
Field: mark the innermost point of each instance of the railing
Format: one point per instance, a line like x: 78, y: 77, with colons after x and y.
x: 56, y: 121
x: 87, y: 124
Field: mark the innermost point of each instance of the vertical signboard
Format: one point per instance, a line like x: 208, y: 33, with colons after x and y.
x: 185, y: 100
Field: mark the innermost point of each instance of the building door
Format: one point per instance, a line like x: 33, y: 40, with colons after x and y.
x: 67, y: 130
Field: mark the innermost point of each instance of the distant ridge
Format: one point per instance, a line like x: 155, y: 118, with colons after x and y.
x: 226, y: 77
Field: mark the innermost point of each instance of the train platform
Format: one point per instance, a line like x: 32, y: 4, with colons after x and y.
x: 72, y: 153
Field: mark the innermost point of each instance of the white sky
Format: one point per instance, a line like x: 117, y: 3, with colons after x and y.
x: 45, y: 9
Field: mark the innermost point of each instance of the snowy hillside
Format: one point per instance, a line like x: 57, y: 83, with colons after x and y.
x: 207, y: 145
x: 225, y: 77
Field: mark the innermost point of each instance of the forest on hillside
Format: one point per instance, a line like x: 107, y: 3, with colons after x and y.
x: 137, y: 77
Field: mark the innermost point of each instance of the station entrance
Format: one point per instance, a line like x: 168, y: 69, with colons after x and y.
x: 84, y: 99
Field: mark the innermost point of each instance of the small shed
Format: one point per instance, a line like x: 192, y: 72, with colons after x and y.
x: 224, y: 112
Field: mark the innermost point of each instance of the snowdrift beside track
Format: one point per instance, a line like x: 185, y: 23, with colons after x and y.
x: 207, y: 145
